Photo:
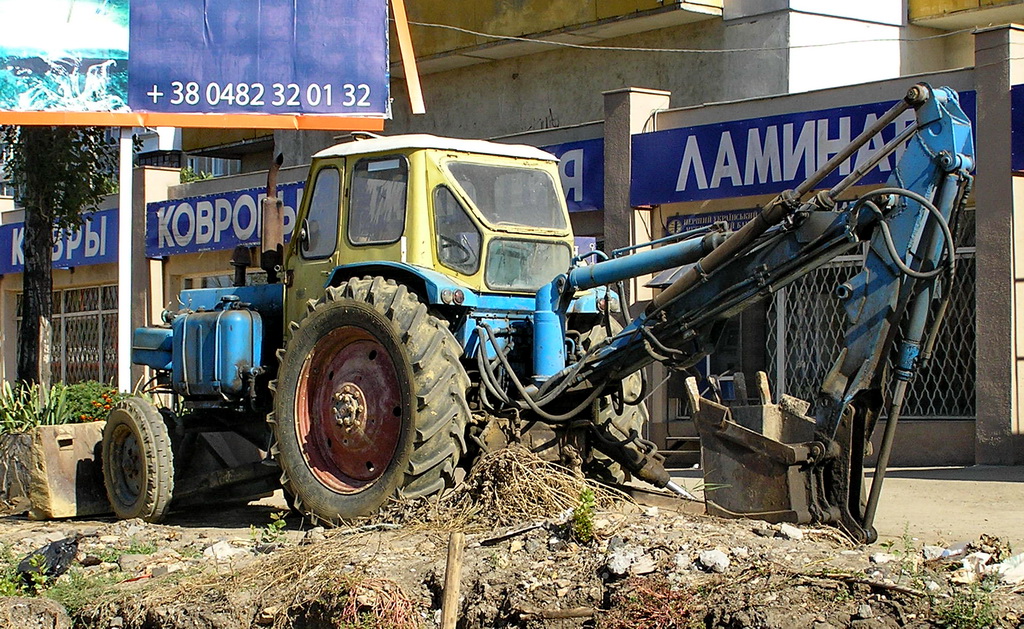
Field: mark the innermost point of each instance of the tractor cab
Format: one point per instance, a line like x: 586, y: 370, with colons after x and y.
x: 490, y: 217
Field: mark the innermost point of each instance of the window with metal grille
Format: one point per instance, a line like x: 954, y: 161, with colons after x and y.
x: 806, y: 325
x: 84, y: 341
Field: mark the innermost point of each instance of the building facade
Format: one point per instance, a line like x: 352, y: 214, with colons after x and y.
x: 763, y: 60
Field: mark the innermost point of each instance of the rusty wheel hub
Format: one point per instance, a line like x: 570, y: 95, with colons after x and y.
x: 349, y: 409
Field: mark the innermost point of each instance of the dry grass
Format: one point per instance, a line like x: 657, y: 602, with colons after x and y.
x: 321, y: 581
x: 315, y: 583
x: 506, y: 487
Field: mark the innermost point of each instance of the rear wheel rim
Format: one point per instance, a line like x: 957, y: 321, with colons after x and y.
x: 129, y: 469
x: 349, y: 410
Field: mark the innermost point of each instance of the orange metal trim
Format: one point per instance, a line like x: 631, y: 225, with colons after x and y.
x: 207, y: 121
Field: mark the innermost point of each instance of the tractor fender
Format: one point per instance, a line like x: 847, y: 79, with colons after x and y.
x: 426, y: 283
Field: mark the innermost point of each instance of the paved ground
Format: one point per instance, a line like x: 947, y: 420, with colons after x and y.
x: 953, y: 504
x: 944, y: 504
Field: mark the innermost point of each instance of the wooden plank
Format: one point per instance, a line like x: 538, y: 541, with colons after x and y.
x: 412, y: 74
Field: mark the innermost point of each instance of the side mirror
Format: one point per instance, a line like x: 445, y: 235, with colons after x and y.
x: 303, y: 235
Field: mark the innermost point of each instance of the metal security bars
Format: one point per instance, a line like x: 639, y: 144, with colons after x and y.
x: 806, y: 325
x: 84, y: 342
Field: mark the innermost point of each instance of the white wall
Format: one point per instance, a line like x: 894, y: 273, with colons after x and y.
x: 818, y: 67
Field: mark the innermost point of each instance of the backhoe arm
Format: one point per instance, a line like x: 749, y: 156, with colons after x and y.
x: 810, y: 469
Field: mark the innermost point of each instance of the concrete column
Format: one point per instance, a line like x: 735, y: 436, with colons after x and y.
x: 626, y: 112
x: 1000, y: 264
x: 150, y: 184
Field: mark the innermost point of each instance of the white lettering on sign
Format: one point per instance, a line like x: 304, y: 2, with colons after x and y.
x: 69, y: 247
x: 801, y: 149
x: 245, y: 232
x: 18, y: 247
x: 183, y: 211
x: 763, y: 157
x: 222, y: 212
x: 726, y: 166
x: 691, y: 161
x: 804, y: 147
x: 204, y: 222
x: 570, y: 170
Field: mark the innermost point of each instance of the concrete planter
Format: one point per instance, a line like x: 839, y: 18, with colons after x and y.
x: 66, y: 477
x: 53, y: 472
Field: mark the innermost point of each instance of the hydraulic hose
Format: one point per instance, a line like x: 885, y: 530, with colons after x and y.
x: 526, y: 396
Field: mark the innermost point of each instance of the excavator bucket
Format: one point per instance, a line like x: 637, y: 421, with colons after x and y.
x: 757, y: 459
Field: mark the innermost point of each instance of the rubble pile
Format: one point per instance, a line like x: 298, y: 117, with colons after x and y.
x: 624, y: 566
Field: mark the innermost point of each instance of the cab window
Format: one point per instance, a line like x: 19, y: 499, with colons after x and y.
x: 320, y: 228
x: 376, y: 212
x: 458, y: 239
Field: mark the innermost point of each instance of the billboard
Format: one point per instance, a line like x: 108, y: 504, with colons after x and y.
x: 64, y: 55
x: 292, y: 64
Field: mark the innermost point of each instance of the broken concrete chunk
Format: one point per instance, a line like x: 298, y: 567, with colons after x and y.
x: 882, y: 558
x: 713, y: 560
x: 683, y: 561
x: 224, y: 551
x: 621, y: 559
x: 931, y: 553
x: 790, y: 532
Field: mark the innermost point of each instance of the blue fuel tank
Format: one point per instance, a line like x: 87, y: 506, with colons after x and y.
x: 214, y: 351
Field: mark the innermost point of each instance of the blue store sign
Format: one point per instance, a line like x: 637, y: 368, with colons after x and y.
x: 1017, y: 128
x: 215, y: 221
x: 581, y: 165
x: 94, y: 243
x: 758, y: 155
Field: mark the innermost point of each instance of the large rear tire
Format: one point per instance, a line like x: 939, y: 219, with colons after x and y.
x: 138, y: 464
x: 370, y: 402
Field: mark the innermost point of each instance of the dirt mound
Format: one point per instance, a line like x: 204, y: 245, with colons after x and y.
x: 544, y: 548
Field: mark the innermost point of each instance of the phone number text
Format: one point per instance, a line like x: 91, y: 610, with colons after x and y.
x: 259, y: 95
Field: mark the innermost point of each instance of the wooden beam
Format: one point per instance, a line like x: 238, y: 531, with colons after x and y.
x: 412, y: 74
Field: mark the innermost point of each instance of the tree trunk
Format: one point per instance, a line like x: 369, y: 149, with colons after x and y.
x: 37, y: 301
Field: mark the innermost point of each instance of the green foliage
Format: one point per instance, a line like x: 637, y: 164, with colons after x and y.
x: 23, y: 407
x: 140, y: 548
x: 272, y: 531
x: 969, y: 608
x: 60, y: 171
x: 582, y: 521
x: 77, y: 588
x: 90, y: 401
x: 10, y: 581
x: 188, y: 175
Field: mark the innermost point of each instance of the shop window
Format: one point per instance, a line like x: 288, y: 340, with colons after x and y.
x: 84, y: 340
x: 377, y: 206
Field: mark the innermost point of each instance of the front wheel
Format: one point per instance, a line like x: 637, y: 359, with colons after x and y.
x: 370, y: 402
x: 138, y: 464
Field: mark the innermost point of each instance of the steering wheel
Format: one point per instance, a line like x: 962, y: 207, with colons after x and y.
x: 466, y: 253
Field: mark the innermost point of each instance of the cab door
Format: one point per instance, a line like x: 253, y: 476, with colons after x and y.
x: 313, y: 251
